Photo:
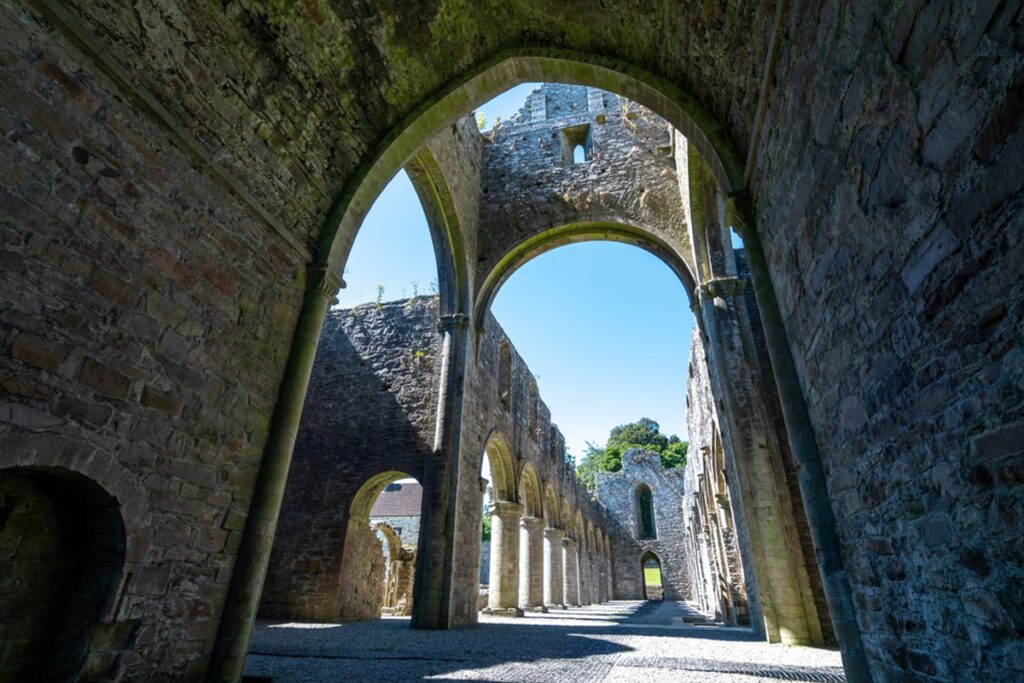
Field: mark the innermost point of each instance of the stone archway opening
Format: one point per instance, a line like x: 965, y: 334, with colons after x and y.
x: 650, y: 566
x: 62, y: 539
x: 379, y: 551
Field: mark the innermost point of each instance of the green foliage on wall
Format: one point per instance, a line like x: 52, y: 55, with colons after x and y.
x: 644, y: 433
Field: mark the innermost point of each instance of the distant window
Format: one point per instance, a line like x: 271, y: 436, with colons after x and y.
x: 577, y: 144
x: 393, y: 487
x: 398, y: 530
x: 645, y: 512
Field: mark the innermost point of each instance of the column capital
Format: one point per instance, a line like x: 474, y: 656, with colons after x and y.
x: 722, y: 287
x: 452, y: 321
x: 324, y: 281
x: 532, y: 523
x: 505, y: 508
x: 553, y: 533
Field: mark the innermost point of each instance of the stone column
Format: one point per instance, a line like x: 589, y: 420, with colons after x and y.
x: 599, y: 596
x: 503, y: 590
x: 432, y: 583
x: 531, y: 564
x: 571, y: 573
x: 553, y: 595
x: 607, y: 568
x: 804, y: 446
x: 766, y: 526
x: 584, y: 576
x: 250, y: 569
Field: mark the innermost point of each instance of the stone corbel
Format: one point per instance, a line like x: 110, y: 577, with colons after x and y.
x: 722, y: 287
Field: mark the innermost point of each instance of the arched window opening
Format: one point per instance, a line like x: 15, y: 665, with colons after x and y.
x: 579, y: 154
x: 645, y: 512
x: 650, y: 566
x: 63, y: 543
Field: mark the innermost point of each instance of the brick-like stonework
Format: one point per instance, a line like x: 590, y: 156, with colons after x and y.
x: 617, y: 492
x: 166, y: 172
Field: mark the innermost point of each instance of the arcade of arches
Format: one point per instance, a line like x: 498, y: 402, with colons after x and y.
x: 181, y: 187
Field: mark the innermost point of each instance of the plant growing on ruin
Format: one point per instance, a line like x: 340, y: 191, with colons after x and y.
x: 380, y: 296
x: 645, y: 433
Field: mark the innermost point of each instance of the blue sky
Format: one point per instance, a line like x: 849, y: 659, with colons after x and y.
x: 605, y: 327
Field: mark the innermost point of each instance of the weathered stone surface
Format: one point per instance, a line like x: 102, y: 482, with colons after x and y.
x: 618, y: 493
x: 164, y: 170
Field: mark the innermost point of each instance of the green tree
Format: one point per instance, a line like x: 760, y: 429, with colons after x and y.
x: 645, y: 433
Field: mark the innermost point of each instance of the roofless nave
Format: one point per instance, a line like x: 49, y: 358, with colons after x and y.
x: 181, y: 188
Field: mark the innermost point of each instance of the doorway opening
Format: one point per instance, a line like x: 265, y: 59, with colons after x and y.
x: 651, y: 567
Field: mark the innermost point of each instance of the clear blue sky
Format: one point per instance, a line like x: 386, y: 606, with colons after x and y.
x: 605, y: 327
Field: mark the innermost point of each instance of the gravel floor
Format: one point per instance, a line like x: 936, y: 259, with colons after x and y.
x: 619, y: 641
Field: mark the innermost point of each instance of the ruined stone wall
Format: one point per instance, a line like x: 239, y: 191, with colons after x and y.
x: 524, y: 423
x: 369, y: 410
x: 407, y: 527
x: 617, y: 492
x: 531, y: 185
x: 720, y: 586
x: 136, y: 293
x: 888, y: 186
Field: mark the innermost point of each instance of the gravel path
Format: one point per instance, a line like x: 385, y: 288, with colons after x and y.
x: 619, y: 641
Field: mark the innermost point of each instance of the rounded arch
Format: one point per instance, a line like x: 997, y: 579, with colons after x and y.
x: 574, y: 233
x: 530, y: 491
x: 494, y: 76
x: 391, y: 539
x: 499, y: 457
x: 367, y: 494
x: 65, y: 551
x: 552, y: 511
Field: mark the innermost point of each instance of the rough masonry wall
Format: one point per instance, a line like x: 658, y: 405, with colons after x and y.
x: 369, y: 410
x: 529, y: 187
x: 616, y: 491
x: 720, y: 586
x: 888, y: 185
x: 524, y: 424
x: 136, y: 294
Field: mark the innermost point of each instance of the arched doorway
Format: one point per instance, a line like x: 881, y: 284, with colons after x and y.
x: 379, y: 553
x: 62, y: 541
x: 650, y: 567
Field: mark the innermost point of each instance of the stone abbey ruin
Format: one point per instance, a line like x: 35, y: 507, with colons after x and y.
x: 190, y: 438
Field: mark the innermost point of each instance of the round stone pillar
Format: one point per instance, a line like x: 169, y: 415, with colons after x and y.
x: 570, y: 572
x: 503, y: 590
x: 553, y: 567
x: 531, y: 563
x: 585, y: 577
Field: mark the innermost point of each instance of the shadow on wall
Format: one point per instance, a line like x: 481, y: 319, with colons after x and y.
x: 367, y: 418
x: 62, y: 540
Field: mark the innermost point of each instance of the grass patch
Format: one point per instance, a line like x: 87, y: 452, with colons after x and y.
x: 652, y: 576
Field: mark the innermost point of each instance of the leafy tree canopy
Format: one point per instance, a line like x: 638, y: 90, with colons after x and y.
x: 645, y: 433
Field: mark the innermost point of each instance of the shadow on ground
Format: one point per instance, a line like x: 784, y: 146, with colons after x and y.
x: 574, y: 645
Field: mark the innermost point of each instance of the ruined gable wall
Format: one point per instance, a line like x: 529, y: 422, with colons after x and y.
x: 370, y: 409
x: 616, y: 491
x: 628, y: 177
x: 888, y: 186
